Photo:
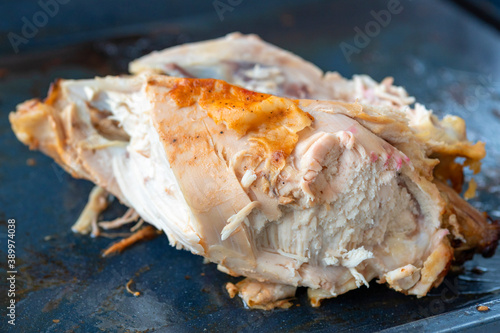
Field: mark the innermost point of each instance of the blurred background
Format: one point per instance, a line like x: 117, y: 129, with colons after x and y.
x: 69, y: 22
x: 43, y: 27
x: 445, y: 53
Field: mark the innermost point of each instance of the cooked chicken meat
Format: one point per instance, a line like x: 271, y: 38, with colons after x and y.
x: 298, y: 192
x: 249, y: 62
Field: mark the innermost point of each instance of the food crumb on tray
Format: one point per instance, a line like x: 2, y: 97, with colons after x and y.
x: 30, y: 162
x: 483, y: 308
x: 127, y: 286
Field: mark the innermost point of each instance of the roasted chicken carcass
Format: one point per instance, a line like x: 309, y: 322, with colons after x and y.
x: 272, y: 184
x: 247, y: 61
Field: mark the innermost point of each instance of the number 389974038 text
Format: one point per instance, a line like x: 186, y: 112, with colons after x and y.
x: 11, y: 244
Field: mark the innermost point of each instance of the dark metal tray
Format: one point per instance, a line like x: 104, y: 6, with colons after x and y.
x: 445, y: 57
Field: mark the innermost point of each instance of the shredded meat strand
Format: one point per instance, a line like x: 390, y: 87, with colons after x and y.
x: 146, y: 233
x: 137, y: 225
x: 129, y: 217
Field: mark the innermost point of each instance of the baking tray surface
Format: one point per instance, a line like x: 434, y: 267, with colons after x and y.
x: 450, y: 64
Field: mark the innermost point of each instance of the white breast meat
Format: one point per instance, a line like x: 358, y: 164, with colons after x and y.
x: 329, y: 195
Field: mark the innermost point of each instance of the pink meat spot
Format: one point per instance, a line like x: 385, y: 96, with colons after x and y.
x: 399, y: 162
x: 387, y: 160
x: 352, y: 129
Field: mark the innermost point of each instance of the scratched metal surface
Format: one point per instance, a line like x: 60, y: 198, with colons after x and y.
x: 444, y: 57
